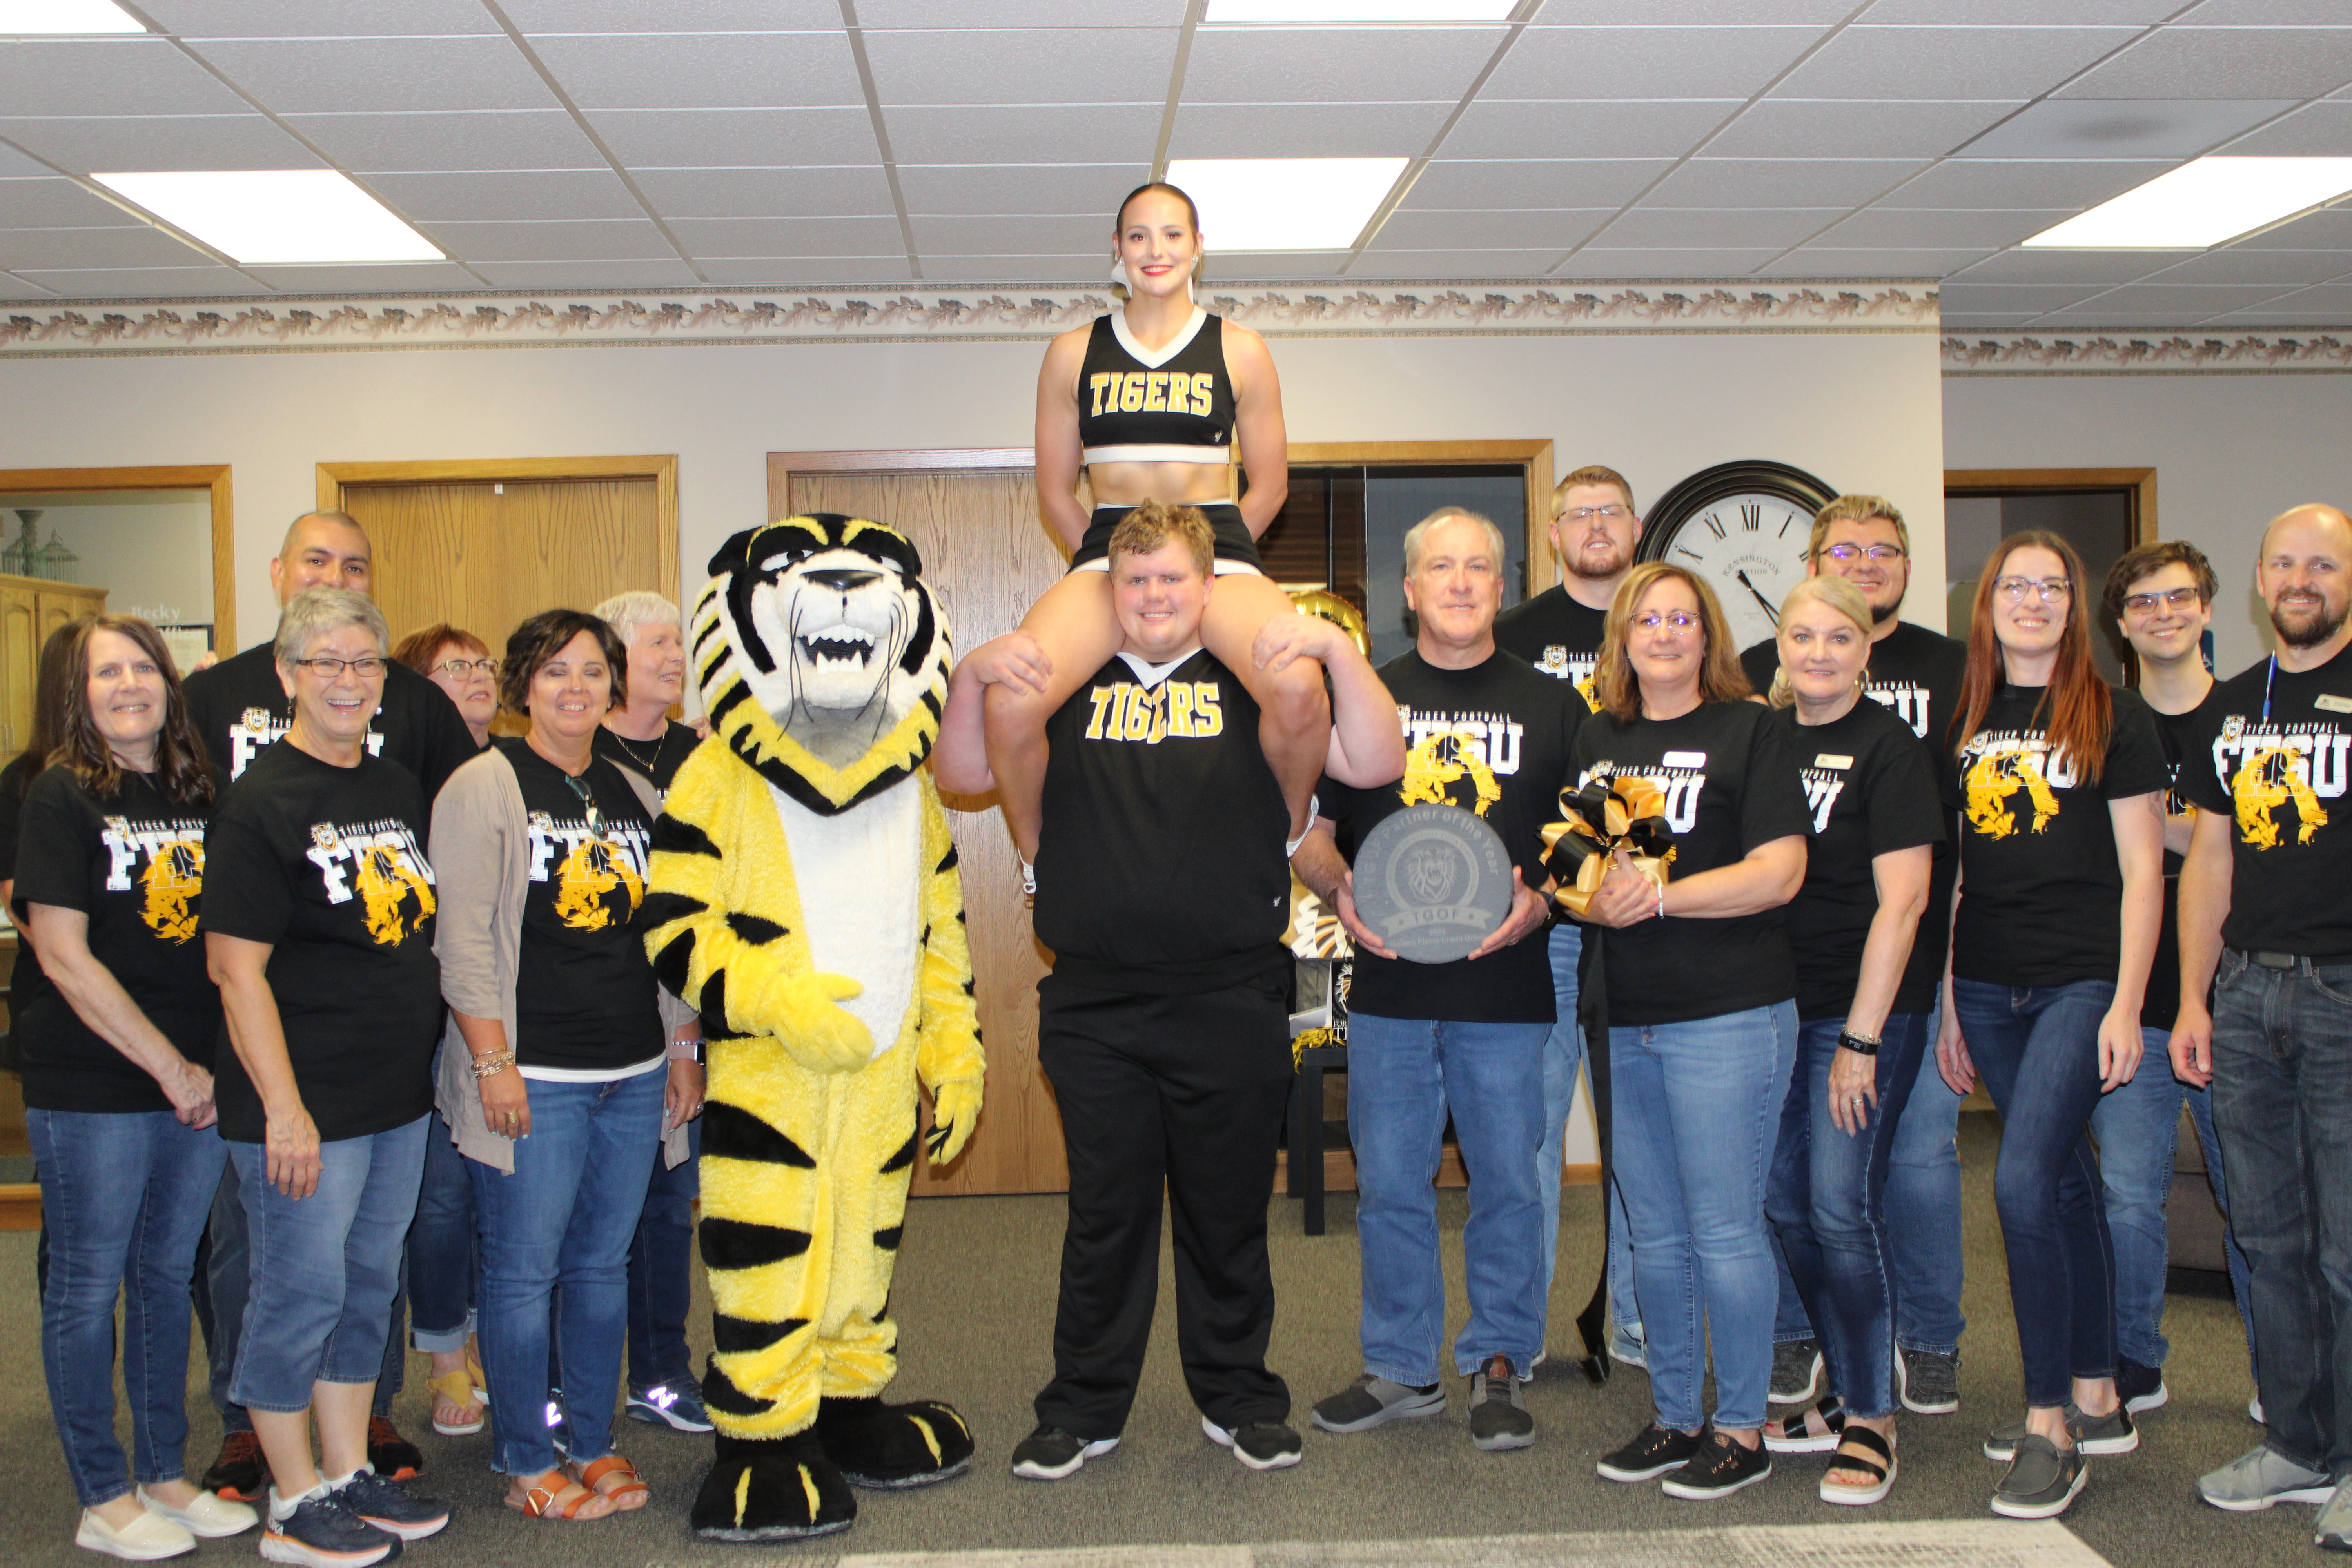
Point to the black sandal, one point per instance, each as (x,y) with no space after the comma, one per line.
(1853,1496)
(1793,1435)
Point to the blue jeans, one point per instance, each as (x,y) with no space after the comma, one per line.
(565,1216)
(1403,1076)
(2138,1128)
(1828,1207)
(1563,1054)
(443,1262)
(2283,1106)
(2038,1050)
(1696,1106)
(661,1270)
(124,1199)
(1923,1211)
(326,1269)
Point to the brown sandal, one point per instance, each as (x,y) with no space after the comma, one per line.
(566,1498)
(627,1492)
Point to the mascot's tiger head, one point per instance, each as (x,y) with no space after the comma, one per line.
(821,657)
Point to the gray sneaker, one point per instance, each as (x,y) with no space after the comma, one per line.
(1371,1401)
(2110,1434)
(2332,1530)
(2043,1479)
(1498,1414)
(1796,1370)
(1628,1348)
(2254,1480)
(1928,1381)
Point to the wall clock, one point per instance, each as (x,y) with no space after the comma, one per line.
(1743,526)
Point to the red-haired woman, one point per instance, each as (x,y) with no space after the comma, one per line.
(2061,782)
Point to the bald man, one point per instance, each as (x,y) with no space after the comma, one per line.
(2266,920)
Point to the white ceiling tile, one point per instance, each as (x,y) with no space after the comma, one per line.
(1726,229)
(2159,302)
(825,270)
(53,202)
(142,244)
(1337,65)
(1666,265)
(2135,320)
(1981,228)
(1437,231)
(1046,134)
(2267,13)
(1074,65)
(1092,190)
(609,241)
(15,164)
(2225,62)
(508,139)
(1304,129)
(421,277)
(348,74)
(1825,261)
(1983,321)
(147,282)
(2329,230)
(1695,13)
(792,236)
(672,15)
(1780,182)
(108,76)
(1236,272)
(1903,63)
(2024,13)
(15,288)
(1420,265)
(1547,183)
(2316,130)
(766,193)
(2335,299)
(628,275)
(717,138)
(308,19)
(879,14)
(1645,62)
(2242,266)
(947,271)
(1841,128)
(2010,299)
(2122,127)
(1582,129)
(2107,267)
(162,142)
(539,195)
(975,236)
(705,70)
(2017,183)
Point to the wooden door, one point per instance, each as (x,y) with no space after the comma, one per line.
(20,659)
(988,558)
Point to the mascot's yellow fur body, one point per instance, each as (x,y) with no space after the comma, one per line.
(804,898)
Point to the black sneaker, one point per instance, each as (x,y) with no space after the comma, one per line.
(1498,1414)
(1048,1454)
(1653,1451)
(393,1455)
(1260,1444)
(2043,1479)
(2141,1388)
(1795,1372)
(240,1472)
(1720,1467)
(2110,1434)
(323,1534)
(390,1507)
(1929,1381)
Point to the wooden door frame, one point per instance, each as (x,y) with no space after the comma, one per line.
(661,470)
(212,477)
(2140,482)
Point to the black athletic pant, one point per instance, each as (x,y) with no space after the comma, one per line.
(1188,1092)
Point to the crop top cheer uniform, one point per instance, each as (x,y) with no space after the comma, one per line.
(1174,405)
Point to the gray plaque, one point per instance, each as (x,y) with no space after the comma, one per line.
(1433,882)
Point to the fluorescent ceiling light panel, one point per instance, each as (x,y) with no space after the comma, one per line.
(27,18)
(277,217)
(1250,205)
(2201,204)
(1343,11)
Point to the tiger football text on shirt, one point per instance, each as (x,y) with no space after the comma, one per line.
(1555,635)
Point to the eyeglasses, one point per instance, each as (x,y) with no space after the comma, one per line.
(2048,590)
(459,668)
(1587,513)
(1849,552)
(326,667)
(1673,623)
(2172,599)
(587,804)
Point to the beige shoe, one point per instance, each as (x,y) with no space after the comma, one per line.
(208,1514)
(147,1539)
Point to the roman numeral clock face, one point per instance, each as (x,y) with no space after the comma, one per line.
(1750,548)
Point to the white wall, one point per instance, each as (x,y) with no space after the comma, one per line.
(2230,451)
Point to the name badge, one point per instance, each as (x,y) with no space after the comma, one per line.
(1683,760)
(2333,704)
(1831,760)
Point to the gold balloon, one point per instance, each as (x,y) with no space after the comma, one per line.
(1318,600)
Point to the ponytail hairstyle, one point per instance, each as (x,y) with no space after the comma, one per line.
(1119,288)
(182,767)
(2076,710)
(1840,595)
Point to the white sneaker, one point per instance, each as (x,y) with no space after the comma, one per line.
(209,1515)
(150,1538)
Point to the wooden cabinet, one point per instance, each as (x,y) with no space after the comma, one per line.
(30,609)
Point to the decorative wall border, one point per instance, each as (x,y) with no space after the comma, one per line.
(2122,352)
(995,313)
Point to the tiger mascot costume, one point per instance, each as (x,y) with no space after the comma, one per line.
(803,897)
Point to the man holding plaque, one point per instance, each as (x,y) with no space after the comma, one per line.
(1443,1018)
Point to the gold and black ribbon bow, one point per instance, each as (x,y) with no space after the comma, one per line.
(1628,813)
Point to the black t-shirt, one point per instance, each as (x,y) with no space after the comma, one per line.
(1159,865)
(1493,739)
(135,866)
(238,706)
(2040,887)
(1556,634)
(2179,734)
(1873,791)
(657,761)
(1731,783)
(327,865)
(584,986)
(2276,753)
(15,780)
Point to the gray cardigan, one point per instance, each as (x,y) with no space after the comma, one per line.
(480,854)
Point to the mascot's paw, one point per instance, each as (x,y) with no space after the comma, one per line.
(955,1108)
(801,1014)
(780,1490)
(893,1446)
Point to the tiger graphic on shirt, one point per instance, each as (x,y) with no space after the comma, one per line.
(167,860)
(381,864)
(599,874)
(1457,759)
(1997,765)
(2270,768)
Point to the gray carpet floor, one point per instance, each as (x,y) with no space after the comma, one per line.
(975,1296)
